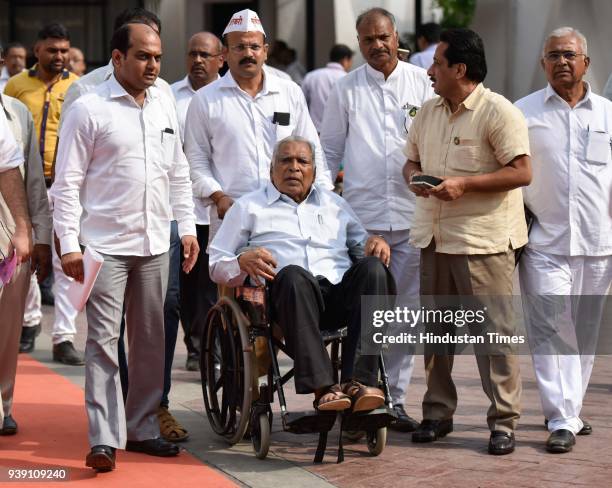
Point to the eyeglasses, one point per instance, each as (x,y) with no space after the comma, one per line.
(240,48)
(554,56)
(202,54)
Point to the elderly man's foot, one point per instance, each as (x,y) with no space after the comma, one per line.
(587,429)
(560,441)
(65,353)
(153,447)
(193,362)
(364,398)
(331,399)
(169,428)
(432,430)
(101,458)
(501,443)
(404,422)
(28,338)
(9,426)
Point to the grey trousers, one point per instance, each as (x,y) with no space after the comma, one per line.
(12,305)
(141,281)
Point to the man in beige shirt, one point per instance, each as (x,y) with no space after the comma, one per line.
(468,225)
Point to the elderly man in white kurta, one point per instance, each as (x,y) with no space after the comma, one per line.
(365,124)
(570,245)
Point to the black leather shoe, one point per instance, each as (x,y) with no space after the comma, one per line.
(101,458)
(28,338)
(560,441)
(587,429)
(153,447)
(404,422)
(501,442)
(65,353)
(193,362)
(432,430)
(9,426)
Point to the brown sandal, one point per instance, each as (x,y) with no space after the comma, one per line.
(169,428)
(332,399)
(364,397)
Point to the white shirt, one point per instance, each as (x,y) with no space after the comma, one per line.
(365,125)
(276,72)
(571,190)
(319,234)
(316,87)
(229,135)
(424,59)
(4,77)
(183,93)
(89,82)
(119,170)
(11,155)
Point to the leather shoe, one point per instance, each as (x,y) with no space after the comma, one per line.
(65,353)
(587,429)
(28,338)
(560,441)
(153,447)
(193,362)
(501,442)
(432,430)
(404,422)
(101,458)
(364,398)
(9,426)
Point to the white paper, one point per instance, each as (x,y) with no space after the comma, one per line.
(78,293)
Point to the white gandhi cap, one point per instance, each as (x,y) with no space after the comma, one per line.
(244,21)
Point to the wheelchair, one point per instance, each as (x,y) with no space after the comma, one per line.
(240,376)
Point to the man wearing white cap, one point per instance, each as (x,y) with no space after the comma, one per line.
(233,124)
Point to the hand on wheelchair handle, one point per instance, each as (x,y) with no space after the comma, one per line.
(258,263)
(378,247)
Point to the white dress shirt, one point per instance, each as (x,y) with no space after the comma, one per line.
(230,136)
(424,59)
(276,72)
(365,126)
(10,153)
(571,190)
(320,234)
(4,77)
(89,82)
(316,87)
(120,169)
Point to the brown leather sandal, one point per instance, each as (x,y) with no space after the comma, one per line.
(364,397)
(169,428)
(332,399)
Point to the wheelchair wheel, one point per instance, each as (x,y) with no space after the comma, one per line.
(225,369)
(260,436)
(377,441)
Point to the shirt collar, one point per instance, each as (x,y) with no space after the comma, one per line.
(270,83)
(6,112)
(115,90)
(550,93)
(110,69)
(378,76)
(333,65)
(431,47)
(33,71)
(470,103)
(185,84)
(273,194)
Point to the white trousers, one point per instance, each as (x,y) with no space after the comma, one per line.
(405,259)
(64,326)
(563,378)
(33,307)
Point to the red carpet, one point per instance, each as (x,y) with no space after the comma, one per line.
(52,434)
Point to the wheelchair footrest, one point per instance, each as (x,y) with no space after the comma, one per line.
(308,422)
(368,421)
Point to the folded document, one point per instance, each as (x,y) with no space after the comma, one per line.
(78,293)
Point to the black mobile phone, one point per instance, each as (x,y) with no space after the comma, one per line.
(425,180)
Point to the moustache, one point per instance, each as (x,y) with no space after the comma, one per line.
(248,61)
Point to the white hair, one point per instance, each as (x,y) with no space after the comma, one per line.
(566,31)
(294,138)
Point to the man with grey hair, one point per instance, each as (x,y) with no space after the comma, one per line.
(367,116)
(569,253)
(318,260)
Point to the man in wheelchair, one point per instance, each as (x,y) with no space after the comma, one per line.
(318,260)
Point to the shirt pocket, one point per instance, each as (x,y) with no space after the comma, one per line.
(464,155)
(598,149)
(167,154)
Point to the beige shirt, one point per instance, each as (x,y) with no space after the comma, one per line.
(485,133)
